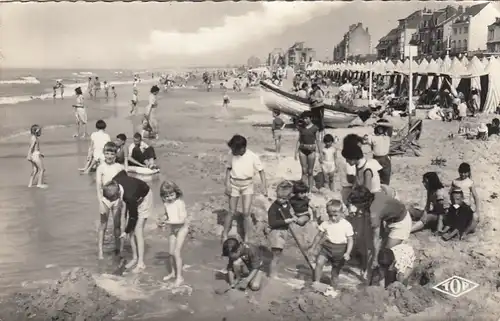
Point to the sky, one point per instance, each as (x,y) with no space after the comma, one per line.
(156,35)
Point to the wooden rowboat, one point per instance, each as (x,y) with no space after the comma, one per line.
(274,98)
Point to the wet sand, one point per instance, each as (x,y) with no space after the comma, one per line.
(60,222)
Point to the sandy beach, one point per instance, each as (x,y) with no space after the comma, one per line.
(48,232)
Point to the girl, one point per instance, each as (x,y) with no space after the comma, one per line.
(177,217)
(466,184)
(36,158)
(277,127)
(80,113)
(436,205)
(367,171)
(135,100)
(225,101)
(380,144)
(329,164)
(306,148)
(151,109)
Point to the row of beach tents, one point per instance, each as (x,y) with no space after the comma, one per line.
(453,73)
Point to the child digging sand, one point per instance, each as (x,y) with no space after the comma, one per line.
(242,166)
(280,216)
(335,238)
(244,269)
(35,157)
(177,218)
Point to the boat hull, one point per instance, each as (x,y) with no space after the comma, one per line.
(276,99)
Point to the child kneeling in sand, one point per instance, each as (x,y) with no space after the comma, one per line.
(138,198)
(178,219)
(245,264)
(459,218)
(396,264)
(335,237)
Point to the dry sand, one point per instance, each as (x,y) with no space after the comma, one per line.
(195,156)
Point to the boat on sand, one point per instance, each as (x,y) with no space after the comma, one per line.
(275,98)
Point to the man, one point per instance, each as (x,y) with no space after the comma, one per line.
(316,98)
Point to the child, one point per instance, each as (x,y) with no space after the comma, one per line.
(61,87)
(141,154)
(54,93)
(329,161)
(225,101)
(300,203)
(35,157)
(135,100)
(98,139)
(97,86)
(245,264)
(90,86)
(138,198)
(177,218)
(121,152)
(459,219)
(396,264)
(242,166)
(80,113)
(306,148)
(335,237)
(380,144)
(113,91)
(147,130)
(105,172)
(106,89)
(466,184)
(280,215)
(277,127)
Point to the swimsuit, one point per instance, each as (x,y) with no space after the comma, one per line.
(307,140)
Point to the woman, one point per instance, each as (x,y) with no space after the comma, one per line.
(307,144)
(151,109)
(436,205)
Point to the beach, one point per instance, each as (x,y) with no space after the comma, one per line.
(48,232)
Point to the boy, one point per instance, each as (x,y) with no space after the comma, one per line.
(458,220)
(135,99)
(97,86)
(242,166)
(280,215)
(277,127)
(244,269)
(98,139)
(138,198)
(335,237)
(329,161)
(105,172)
(141,154)
(113,91)
(380,144)
(300,203)
(122,152)
(106,89)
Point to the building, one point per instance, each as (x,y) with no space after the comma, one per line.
(386,47)
(355,43)
(422,37)
(470,29)
(493,42)
(299,55)
(276,57)
(441,33)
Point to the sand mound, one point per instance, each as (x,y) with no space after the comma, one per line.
(75,296)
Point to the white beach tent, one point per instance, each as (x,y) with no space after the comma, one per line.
(445,65)
(493,96)
(476,70)
(439,61)
(431,71)
(389,67)
(421,71)
(456,72)
(399,66)
(464,61)
(485,62)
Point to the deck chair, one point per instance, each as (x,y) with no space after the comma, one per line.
(407,139)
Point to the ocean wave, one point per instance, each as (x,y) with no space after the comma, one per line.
(20,81)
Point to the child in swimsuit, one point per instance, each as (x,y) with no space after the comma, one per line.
(106,89)
(104,174)
(306,148)
(35,157)
(98,140)
(225,101)
(277,127)
(113,91)
(178,220)
(135,99)
(329,161)
(466,184)
(80,113)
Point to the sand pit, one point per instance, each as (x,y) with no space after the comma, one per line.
(76,296)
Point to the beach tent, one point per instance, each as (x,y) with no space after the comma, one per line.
(456,72)
(423,66)
(439,61)
(445,65)
(464,61)
(389,66)
(485,62)
(493,96)
(419,80)
(475,69)
(432,72)
(399,66)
